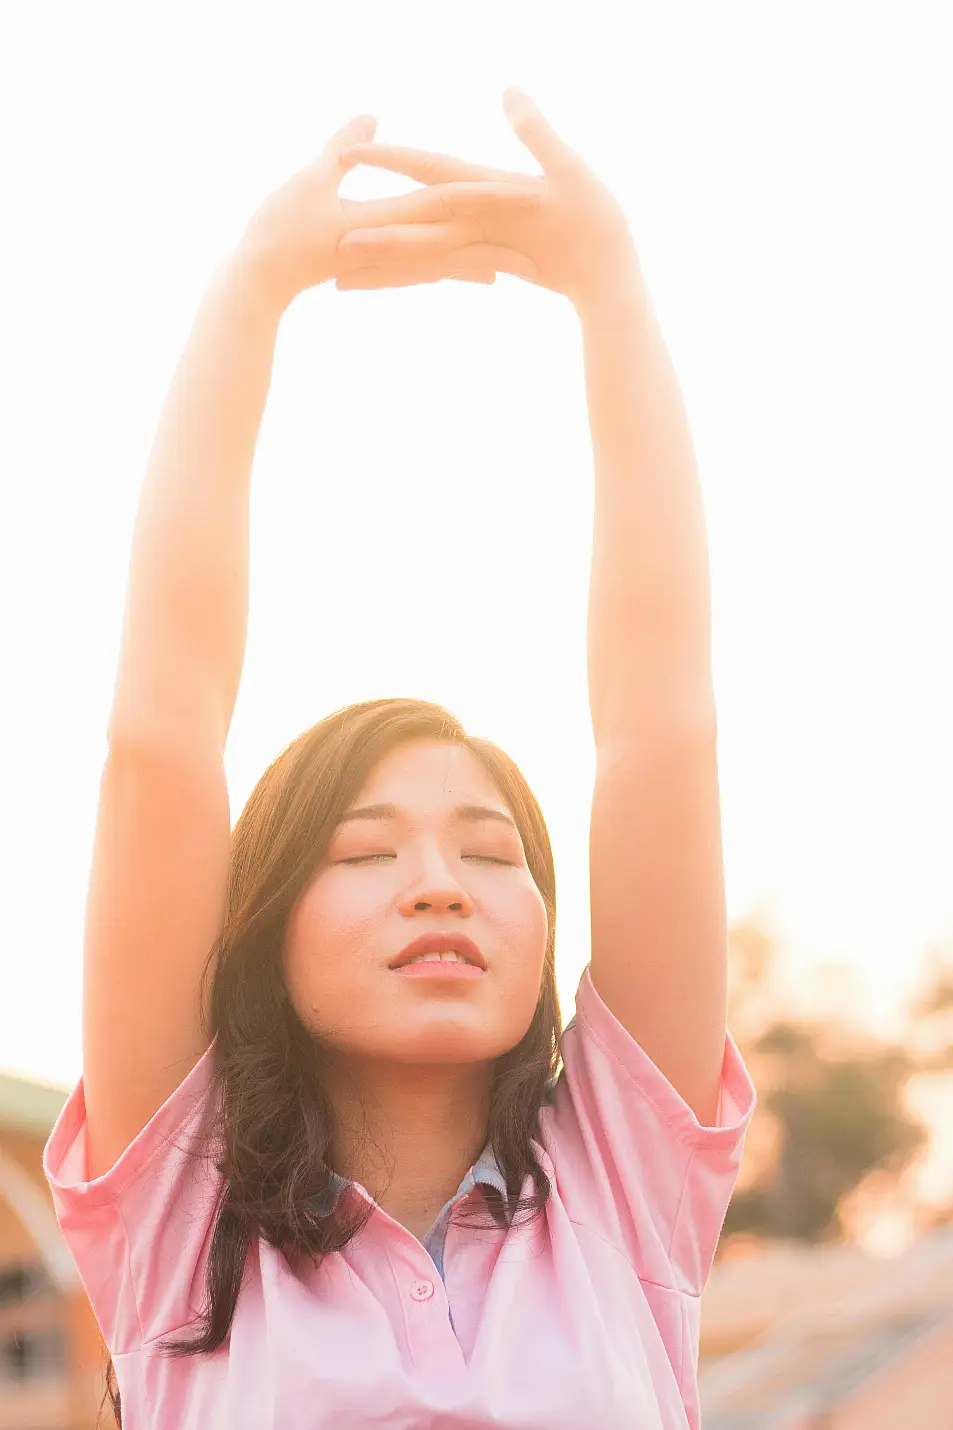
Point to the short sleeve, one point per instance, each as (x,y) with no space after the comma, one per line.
(633,1161)
(139,1232)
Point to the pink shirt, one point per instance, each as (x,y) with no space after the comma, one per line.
(590,1317)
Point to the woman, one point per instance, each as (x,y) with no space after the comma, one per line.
(311,1183)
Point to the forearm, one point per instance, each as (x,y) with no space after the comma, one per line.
(186,614)
(649,616)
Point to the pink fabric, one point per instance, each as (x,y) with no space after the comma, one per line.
(590,1318)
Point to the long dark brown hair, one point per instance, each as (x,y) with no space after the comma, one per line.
(268,1124)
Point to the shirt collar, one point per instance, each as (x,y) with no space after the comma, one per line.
(485,1169)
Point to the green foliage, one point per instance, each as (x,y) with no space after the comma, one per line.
(834,1093)
(840,1120)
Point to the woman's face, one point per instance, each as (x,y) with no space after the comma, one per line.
(421,870)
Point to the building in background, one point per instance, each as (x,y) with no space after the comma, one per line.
(52,1359)
(793,1337)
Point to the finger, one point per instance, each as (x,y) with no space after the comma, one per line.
(469,261)
(426,167)
(456,200)
(361,127)
(535,131)
(376,277)
(432,244)
(396,241)
(404,278)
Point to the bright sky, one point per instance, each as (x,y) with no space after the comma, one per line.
(423,485)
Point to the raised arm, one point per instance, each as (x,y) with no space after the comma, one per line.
(187,602)
(160,860)
(656,867)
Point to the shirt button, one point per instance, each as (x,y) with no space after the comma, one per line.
(422,1290)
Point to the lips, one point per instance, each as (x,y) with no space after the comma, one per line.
(441,943)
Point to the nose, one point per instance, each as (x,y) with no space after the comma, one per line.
(436,887)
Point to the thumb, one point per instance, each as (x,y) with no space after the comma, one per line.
(533,130)
(360,130)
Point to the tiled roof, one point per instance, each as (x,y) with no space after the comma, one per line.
(818,1356)
(813,1372)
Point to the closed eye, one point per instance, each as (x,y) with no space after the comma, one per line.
(363,858)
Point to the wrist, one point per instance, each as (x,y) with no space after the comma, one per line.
(255,285)
(616,291)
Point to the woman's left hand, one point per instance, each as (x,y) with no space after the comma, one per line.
(564,230)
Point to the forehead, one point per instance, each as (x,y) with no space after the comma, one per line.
(425,771)
(423,774)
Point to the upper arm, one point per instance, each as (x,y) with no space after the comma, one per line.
(657,893)
(154,910)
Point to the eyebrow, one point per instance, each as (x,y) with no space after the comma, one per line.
(461,814)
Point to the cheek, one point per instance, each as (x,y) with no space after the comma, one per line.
(333,910)
(322,933)
(327,972)
(528,926)
(521,969)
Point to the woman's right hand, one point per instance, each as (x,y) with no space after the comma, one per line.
(291,243)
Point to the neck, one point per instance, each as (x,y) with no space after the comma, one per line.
(408,1133)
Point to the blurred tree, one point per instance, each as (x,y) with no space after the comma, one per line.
(752,977)
(930,1011)
(832,1093)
